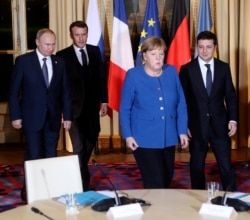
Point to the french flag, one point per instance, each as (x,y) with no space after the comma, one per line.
(93,21)
(121,57)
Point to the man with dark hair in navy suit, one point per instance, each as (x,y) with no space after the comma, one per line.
(212,111)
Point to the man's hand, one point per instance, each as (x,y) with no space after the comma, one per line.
(232,127)
(104,109)
(17,124)
(67,125)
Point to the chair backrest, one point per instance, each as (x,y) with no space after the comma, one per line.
(52,177)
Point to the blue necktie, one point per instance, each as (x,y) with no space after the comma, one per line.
(208,79)
(45,72)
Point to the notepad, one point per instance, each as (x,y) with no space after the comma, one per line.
(84,198)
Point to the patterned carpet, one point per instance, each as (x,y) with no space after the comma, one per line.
(123,176)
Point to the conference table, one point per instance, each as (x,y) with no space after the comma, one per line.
(172,204)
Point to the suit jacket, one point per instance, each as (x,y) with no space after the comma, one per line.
(31,100)
(203,110)
(88,87)
(153,109)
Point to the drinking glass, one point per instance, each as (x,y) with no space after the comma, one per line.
(212,190)
(71,205)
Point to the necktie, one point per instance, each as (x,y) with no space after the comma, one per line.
(45,71)
(84,58)
(208,79)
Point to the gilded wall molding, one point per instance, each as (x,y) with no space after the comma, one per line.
(109,18)
(18,33)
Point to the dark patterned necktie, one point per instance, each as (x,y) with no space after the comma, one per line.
(45,72)
(208,79)
(84,58)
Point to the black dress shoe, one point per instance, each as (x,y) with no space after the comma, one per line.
(23,195)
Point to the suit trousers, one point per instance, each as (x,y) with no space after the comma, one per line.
(41,143)
(156,166)
(222,151)
(83,148)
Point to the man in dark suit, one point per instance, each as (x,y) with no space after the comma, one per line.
(37,102)
(212,112)
(36,107)
(87,79)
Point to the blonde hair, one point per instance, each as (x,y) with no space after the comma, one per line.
(152,43)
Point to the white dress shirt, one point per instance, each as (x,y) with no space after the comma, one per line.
(48,62)
(79,53)
(204,69)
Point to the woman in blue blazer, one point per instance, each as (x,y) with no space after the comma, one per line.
(153,114)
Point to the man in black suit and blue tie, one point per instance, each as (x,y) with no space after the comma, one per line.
(88,84)
(212,112)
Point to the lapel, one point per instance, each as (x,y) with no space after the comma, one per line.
(91,56)
(198,80)
(55,65)
(216,79)
(73,56)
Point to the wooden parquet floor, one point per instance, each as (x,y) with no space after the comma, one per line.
(13,154)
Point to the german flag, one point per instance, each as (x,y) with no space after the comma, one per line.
(179,49)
